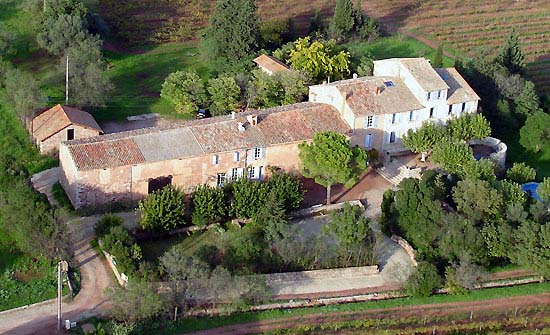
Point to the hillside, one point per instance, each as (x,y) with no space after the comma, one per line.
(464,26)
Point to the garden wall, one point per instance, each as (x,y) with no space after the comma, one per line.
(359,271)
(500,148)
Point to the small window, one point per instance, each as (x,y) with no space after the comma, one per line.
(236,156)
(428,96)
(394,118)
(258,153)
(439,94)
(234,174)
(450,109)
(411,116)
(221,179)
(432,112)
(70,134)
(369,122)
(392,137)
(215,159)
(252,173)
(368,141)
(463,107)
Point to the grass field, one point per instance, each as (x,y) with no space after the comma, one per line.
(195,324)
(153,249)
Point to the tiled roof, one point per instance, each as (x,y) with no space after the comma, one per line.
(270,63)
(459,90)
(285,124)
(363,100)
(55,119)
(424,74)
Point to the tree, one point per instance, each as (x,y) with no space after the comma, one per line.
(543,190)
(23,91)
(463,276)
(477,199)
(528,101)
(453,156)
(511,55)
(294,86)
(248,197)
(318,60)
(469,127)
(535,134)
(232,35)
(177,264)
(287,190)
(521,173)
(366,66)
(208,205)
(330,160)
(424,280)
(184,90)
(530,247)
(438,57)
(88,84)
(7,40)
(224,95)
(424,138)
(342,21)
(136,302)
(105,223)
(280,89)
(162,209)
(316,22)
(60,32)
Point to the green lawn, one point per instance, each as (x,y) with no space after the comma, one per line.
(540,161)
(395,46)
(195,324)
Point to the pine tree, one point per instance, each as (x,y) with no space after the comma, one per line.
(438,58)
(343,20)
(511,55)
(232,35)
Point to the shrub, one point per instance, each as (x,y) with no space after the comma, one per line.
(184,90)
(424,280)
(208,205)
(287,190)
(248,197)
(107,221)
(163,209)
(463,276)
(123,248)
(521,173)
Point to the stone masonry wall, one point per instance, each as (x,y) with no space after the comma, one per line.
(51,144)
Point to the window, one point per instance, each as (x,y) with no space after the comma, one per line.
(432,112)
(369,122)
(450,109)
(236,156)
(234,174)
(221,179)
(439,94)
(258,153)
(252,173)
(463,107)
(394,118)
(158,183)
(70,134)
(411,116)
(428,96)
(392,137)
(215,159)
(368,140)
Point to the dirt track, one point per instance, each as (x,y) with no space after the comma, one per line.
(430,310)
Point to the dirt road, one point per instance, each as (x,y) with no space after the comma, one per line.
(90,301)
(430,310)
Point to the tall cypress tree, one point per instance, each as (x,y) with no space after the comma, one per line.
(343,20)
(511,55)
(231,37)
(438,58)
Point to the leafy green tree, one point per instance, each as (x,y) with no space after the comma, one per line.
(123,248)
(477,199)
(511,192)
(56,8)
(469,127)
(369,30)
(453,156)
(366,66)
(7,40)
(294,86)
(208,205)
(355,238)
(224,95)
(23,91)
(424,280)
(105,223)
(162,209)
(185,90)
(280,89)
(232,35)
(459,236)
(287,190)
(530,247)
(341,25)
(319,60)
(535,134)
(136,302)
(543,190)
(248,197)
(463,276)
(521,173)
(88,84)
(510,55)
(273,219)
(424,138)
(60,32)
(274,33)
(483,169)
(330,160)
(438,58)
(527,101)
(177,264)
(316,24)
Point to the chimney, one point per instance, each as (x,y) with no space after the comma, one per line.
(252,119)
(232,115)
(240,126)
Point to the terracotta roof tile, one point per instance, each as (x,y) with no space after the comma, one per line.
(100,155)
(57,118)
(270,63)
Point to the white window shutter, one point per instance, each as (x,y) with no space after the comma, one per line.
(262,152)
(215,159)
(236,156)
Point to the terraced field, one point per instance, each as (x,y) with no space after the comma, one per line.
(464,26)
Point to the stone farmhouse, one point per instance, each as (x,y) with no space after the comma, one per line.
(61,123)
(374,112)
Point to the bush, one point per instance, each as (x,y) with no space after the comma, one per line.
(208,205)
(184,90)
(287,190)
(248,197)
(463,276)
(424,280)
(163,209)
(104,225)
(521,173)
(123,248)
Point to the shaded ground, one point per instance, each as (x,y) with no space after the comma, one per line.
(428,310)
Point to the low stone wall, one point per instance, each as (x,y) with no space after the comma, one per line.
(316,209)
(120,277)
(500,148)
(359,271)
(406,246)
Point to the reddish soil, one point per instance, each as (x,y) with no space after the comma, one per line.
(430,310)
